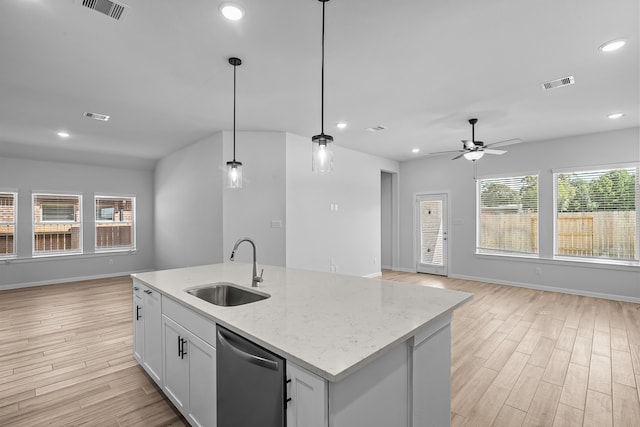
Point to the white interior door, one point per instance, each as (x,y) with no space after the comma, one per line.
(431,233)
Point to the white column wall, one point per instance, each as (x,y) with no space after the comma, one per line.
(348,238)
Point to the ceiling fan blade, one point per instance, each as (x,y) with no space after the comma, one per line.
(447,152)
(492,151)
(505,142)
(459,155)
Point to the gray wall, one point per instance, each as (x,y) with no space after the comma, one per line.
(248,212)
(438,174)
(27,176)
(278,185)
(198,219)
(188,205)
(317,236)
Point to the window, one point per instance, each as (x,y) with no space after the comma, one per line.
(115,223)
(596,213)
(57,224)
(508,215)
(8,215)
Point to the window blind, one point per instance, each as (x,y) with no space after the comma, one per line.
(508,215)
(57,224)
(596,213)
(8,210)
(115,223)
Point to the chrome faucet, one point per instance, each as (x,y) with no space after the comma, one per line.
(256,279)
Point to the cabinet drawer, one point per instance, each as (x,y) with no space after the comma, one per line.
(198,325)
(137,288)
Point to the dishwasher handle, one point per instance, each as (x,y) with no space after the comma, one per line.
(251,358)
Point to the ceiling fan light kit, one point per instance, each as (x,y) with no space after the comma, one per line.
(474,150)
(321,153)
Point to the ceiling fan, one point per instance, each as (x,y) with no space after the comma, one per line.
(474,150)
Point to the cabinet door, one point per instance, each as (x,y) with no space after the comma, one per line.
(138,328)
(308,405)
(153,334)
(202,383)
(176,364)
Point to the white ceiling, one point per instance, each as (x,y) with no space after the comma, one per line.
(420,68)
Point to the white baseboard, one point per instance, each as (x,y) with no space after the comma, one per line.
(405,270)
(65,280)
(548,288)
(373,275)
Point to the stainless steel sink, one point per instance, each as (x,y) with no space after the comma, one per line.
(226,294)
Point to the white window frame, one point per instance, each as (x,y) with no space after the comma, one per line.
(505,253)
(13,254)
(98,222)
(34,223)
(595,260)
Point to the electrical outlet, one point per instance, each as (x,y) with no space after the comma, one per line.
(110,261)
(538,271)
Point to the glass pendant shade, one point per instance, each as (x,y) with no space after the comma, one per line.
(473,155)
(322,154)
(234,174)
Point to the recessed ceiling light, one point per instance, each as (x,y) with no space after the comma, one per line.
(615,115)
(231,11)
(612,45)
(341,125)
(63,134)
(415,150)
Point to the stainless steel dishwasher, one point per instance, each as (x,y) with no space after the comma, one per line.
(250,383)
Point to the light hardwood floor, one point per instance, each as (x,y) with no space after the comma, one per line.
(520,357)
(523,357)
(66,359)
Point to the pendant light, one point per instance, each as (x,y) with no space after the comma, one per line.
(322,154)
(234,168)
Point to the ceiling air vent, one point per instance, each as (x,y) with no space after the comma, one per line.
(565,81)
(106,7)
(376,128)
(96,116)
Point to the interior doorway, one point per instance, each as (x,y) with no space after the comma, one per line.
(387,217)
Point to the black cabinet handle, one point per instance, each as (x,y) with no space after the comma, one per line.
(135,288)
(286,402)
(181,343)
(138,317)
(183,352)
(147,291)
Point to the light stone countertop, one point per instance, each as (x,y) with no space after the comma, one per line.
(330,324)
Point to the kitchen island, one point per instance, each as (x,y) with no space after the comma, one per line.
(358,351)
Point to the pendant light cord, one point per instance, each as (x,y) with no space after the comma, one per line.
(234,112)
(322,77)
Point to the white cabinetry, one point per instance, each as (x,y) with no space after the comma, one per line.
(147,332)
(308,393)
(189,364)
